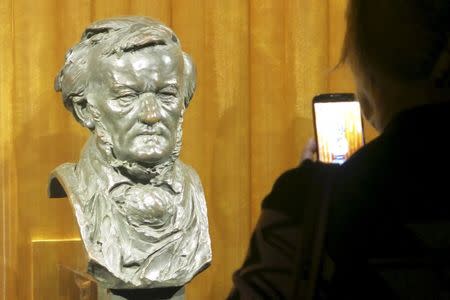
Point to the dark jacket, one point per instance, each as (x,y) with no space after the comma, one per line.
(388,225)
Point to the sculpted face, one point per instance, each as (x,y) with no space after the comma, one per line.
(138,96)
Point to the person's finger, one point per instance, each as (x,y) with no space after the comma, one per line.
(310,150)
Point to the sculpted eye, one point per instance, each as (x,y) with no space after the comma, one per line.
(167,96)
(126,99)
(169,93)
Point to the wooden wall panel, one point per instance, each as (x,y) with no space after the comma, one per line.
(47,260)
(101,9)
(157,9)
(288,67)
(216,132)
(8,178)
(43,124)
(271,111)
(45,134)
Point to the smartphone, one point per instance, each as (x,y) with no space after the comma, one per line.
(338,126)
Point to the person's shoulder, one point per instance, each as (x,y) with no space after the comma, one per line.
(371,175)
(297,185)
(306,173)
(376,154)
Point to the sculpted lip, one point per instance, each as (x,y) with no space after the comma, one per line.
(153,131)
(149,133)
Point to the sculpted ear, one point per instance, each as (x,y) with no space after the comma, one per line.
(82,112)
(190,77)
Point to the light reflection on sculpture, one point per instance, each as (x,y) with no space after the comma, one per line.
(141,211)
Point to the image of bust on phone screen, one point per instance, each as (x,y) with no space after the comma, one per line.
(338,127)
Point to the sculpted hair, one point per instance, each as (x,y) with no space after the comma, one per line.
(406,40)
(116,37)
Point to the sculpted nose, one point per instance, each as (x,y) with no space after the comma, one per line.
(151,111)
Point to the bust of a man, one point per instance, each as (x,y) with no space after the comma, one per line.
(141,211)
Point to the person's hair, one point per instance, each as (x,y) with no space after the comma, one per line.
(405,40)
(115,37)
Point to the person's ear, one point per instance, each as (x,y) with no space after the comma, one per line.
(190,78)
(82,112)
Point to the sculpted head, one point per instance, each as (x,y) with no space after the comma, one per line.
(129,82)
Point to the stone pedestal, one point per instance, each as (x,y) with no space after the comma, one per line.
(81,286)
(156,294)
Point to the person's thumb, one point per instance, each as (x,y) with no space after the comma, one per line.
(309,150)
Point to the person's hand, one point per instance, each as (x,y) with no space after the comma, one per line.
(309,151)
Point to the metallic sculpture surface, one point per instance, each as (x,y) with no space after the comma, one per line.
(141,211)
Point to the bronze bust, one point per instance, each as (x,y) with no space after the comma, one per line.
(141,211)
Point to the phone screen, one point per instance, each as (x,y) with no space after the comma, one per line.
(339,130)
